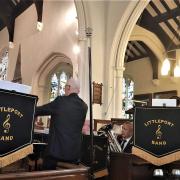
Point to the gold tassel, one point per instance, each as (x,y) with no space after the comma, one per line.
(15,156)
(158,161)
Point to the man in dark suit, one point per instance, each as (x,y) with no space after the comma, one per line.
(68,114)
(125,139)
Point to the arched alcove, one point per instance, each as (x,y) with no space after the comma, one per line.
(42,75)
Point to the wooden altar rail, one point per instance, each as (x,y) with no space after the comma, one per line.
(64,174)
(125,166)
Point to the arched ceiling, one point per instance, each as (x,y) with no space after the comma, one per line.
(161,17)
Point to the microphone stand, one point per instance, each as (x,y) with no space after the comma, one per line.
(88,34)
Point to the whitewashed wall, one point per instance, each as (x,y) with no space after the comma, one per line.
(141,72)
(57,36)
(103,17)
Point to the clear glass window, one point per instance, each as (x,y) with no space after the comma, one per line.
(3,65)
(127,96)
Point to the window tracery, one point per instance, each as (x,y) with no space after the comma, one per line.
(58,81)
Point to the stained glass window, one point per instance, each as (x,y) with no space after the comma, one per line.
(127,96)
(3,65)
(58,81)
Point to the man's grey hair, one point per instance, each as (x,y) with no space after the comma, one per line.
(75,85)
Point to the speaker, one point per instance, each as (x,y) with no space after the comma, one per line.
(100,151)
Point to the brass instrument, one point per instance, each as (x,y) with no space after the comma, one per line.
(114,145)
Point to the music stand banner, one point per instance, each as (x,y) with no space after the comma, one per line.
(157,134)
(16,127)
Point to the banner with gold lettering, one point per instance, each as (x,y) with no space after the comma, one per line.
(16,127)
(157,134)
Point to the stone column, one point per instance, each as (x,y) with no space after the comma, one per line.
(118,91)
(83,70)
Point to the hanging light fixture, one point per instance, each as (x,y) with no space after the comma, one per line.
(11,45)
(166,65)
(39,26)
(177,71)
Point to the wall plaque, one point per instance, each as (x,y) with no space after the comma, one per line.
(97,93)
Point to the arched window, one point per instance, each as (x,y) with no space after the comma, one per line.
(58,80)
(128,93)
(3,64)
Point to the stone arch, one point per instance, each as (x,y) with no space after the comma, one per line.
(40,85)
(81,19)
(150,39)
(120,41)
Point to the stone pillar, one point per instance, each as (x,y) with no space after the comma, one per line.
(83,71)
(118,91)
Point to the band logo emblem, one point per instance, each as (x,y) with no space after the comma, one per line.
(160,128)
(6,124)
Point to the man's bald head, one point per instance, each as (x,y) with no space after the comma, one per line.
(72,86)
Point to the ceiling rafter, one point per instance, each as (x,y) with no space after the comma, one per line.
(168,15)
(175,32)
(155,8)
(14,2)
(177,3)
(165,6)
(162,17)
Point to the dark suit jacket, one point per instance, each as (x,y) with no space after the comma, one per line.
(128,148)
(68,114)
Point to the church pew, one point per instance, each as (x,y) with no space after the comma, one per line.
(61,174)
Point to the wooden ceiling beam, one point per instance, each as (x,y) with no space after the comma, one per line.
(39,9)
(177,3)
(136,58)
(130,51)
(153,60)
(147,21)
(22,6)
(175,32)
(155,8)
(168,15)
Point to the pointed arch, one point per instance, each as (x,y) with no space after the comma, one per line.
(81,19)
(150,39)
(41,77)
(120,41)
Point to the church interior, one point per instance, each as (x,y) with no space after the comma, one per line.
(126,52)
